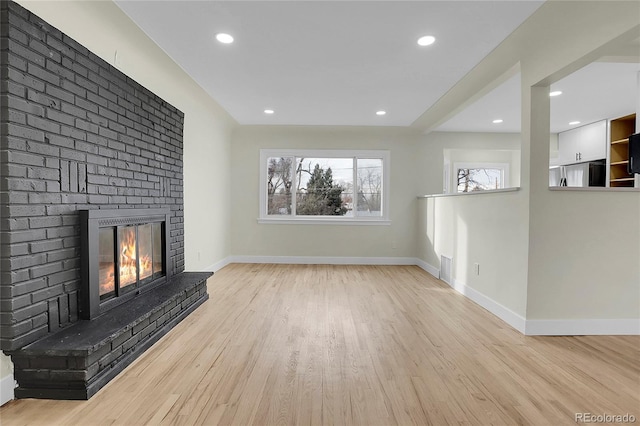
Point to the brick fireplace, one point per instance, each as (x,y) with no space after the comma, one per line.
(79,135)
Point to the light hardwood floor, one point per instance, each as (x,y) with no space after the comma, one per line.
(367,345)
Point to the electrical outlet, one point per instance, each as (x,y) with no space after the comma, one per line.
(476,268)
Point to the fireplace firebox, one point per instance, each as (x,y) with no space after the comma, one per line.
(124,253)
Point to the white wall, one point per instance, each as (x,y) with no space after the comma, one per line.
(253,239)
(487,229)
(7,382)
(104,29)
(583,247)
(584,256)
(553,150)
(207,188)
(490,147)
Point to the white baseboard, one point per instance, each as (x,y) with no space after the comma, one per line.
(218,265)
(581,327)
(325,260)
(7,385)
(502,312)
(528,327)
(505,314)
(429,268)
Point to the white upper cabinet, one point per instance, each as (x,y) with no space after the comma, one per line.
(586,143)
(594,141)
(568,146)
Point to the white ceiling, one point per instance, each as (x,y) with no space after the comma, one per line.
(600,90)
(327,62)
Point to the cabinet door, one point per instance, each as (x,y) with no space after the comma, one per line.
(593,141)
(568,146)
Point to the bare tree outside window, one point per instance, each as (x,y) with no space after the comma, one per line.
(369,176)
(279,185)
(480,179)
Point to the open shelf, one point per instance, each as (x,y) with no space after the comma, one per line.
(620,163)
(622,183)
(620,130)
(622,179)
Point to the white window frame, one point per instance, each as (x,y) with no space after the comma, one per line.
(384,219)
(504,167)
(446,177)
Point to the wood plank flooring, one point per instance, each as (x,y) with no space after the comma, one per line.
(363,345)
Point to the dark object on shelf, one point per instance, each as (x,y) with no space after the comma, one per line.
(634,153)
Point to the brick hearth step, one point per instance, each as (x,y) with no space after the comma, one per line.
(77,361)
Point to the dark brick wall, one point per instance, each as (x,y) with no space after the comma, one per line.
(76,134)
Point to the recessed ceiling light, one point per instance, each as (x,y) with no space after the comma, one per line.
(269,111)
(426,40)
(381,112)
(224,38)
(573,123)
(498,121)
(555,93)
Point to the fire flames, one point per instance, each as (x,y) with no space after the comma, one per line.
(129,260)
(136,261)
(107,278)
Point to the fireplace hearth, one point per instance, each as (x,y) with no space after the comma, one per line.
(78,361)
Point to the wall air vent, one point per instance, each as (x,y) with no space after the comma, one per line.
(446,264)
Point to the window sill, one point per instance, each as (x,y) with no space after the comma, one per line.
(322,221)
(465,194)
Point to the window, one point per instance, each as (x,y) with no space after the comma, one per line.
(324,186)
(472,177)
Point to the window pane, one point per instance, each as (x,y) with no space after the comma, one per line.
(157,248)
(481,179)
(324,186)
(107,262)
(369,187)
(128,256)
(279,185)
(145,251)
